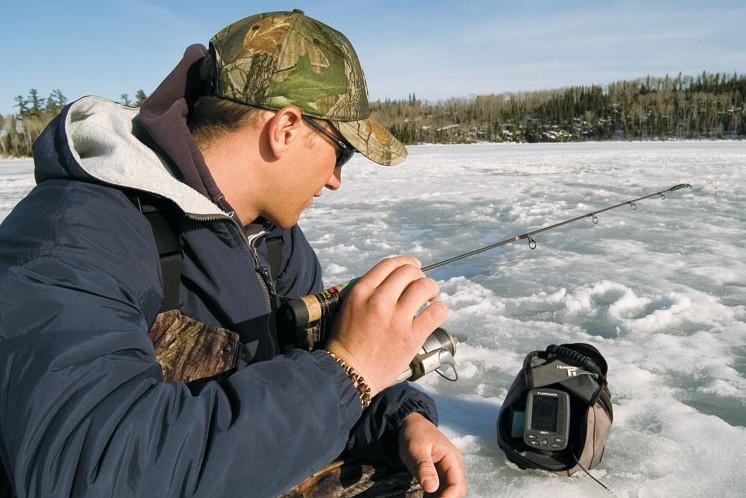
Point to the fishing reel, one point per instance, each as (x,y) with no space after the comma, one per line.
(305,322)
(436,355)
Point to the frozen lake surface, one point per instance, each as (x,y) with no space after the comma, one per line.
(660,291)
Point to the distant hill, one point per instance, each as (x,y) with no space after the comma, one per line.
(682,107)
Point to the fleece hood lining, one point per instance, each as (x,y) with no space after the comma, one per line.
(104,142)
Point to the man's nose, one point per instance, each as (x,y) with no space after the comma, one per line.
(335,181)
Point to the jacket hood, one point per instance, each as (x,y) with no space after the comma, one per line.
(94,139)
(163,119)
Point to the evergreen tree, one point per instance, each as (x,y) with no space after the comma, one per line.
(21,104)
(140,97)
(36,101)
(59,98)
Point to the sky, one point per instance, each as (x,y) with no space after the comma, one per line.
(434,49)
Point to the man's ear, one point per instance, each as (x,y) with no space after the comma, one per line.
(285,127)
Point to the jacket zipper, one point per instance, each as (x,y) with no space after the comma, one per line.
(265,280)
(270,294)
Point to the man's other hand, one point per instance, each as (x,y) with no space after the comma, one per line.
(431,458)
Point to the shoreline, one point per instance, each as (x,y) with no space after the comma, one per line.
(641,141)
(595,142)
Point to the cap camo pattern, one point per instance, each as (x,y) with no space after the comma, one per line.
(278,59)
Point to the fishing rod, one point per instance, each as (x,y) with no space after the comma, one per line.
(304,321)
(529,235)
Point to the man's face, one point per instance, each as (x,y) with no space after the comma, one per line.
(308,168)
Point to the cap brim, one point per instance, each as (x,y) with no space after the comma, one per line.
(373,140)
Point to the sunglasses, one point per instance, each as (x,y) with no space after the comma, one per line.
(344,150)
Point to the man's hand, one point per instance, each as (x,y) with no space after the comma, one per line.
(431,458)
(380,328)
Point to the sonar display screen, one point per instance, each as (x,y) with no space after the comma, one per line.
(544,414)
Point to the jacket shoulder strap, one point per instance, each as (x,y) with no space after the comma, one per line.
(274,255)
(170,252)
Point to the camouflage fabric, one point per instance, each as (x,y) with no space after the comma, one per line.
(277,59)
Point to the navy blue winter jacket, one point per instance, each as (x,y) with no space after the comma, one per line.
(83,408)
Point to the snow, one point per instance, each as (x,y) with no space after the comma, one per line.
(660,291)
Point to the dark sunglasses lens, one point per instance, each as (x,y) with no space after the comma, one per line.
(344,154)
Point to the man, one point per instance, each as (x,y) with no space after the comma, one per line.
(235,143)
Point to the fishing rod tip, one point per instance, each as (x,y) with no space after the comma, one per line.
(680,186)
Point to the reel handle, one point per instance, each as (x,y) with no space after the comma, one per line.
(436,355)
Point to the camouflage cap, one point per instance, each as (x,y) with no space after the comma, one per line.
(278,59)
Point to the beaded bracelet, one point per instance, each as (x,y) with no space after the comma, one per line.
(357,380)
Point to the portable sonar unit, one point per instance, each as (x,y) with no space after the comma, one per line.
(557,413)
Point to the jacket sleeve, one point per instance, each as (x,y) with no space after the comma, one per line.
(83,409)
(375,435)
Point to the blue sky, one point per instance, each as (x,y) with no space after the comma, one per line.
(436,49)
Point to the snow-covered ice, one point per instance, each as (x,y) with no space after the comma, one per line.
(661,291)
